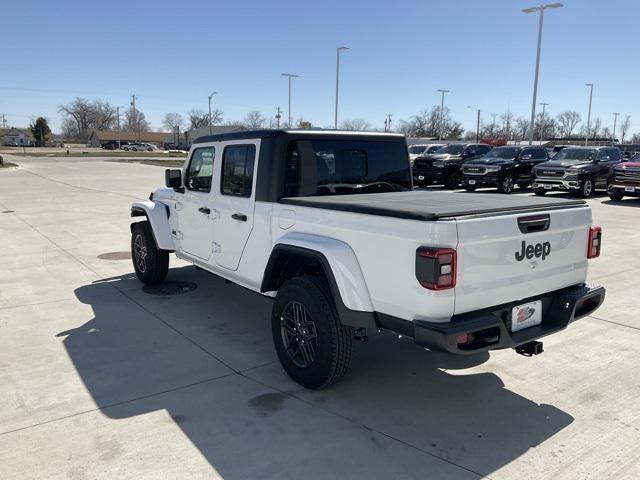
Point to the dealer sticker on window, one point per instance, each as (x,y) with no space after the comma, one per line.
(527,315)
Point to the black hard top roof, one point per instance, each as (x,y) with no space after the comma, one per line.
(306,133)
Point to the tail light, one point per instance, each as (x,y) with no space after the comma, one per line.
(595,242)
(436,268)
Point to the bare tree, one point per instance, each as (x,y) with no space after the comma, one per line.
(137,123)
(172,121)
(254,119)
(200,118)
(490,129)
(635,138)
(507,120)
(355,124)
(544,127)
(522,126)
(567,122)
(606,132)
(625,125)
(81,116)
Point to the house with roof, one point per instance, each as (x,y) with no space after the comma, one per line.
(17,137)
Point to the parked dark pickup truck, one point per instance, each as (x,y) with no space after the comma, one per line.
(624,180)
(576,169)
(443,166)
(503,167)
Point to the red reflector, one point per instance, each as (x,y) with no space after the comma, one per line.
(595,242)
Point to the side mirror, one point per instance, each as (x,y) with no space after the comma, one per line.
(173,178)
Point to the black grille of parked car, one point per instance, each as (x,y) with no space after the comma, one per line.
(474,170)
(627,175)
(547,172)
(422,163)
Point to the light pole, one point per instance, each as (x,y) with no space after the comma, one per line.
(586,140)
(118,124)
(477,122)
(615,120)
(544,105)
(290,76)
(210,119)
(442,91)
(540,9)
(338,50)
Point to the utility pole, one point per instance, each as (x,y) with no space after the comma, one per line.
(134,116)
(4,121)
(615,120)
(477,122)
(542,123)
(388,123)
(278,116)
(442,112)
(118,124)
(211,119)
(586,140)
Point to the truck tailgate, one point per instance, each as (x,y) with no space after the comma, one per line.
(499,261)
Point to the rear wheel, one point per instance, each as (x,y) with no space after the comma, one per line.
(312,344)
(150,263)
(506,184)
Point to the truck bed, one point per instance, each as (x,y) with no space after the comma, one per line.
(427,205)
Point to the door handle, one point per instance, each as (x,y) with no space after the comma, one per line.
(204,210)
(239,216)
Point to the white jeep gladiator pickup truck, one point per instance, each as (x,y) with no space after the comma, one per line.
(328,224)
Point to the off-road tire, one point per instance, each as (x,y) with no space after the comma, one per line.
(153,268)
(334,340)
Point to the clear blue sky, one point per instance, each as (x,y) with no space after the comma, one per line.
(173,54)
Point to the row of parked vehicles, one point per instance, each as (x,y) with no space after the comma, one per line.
(575,169)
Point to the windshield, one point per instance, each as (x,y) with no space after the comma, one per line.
(503,153)
(451,149)
(432,149)
(577,154)
(335,167)
(417,149)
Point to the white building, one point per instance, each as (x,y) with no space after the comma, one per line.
(17,137)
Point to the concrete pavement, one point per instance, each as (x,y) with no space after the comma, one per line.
(101,380)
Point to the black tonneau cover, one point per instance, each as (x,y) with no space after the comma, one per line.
(432,205)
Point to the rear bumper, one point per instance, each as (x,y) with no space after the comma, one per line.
(490,327)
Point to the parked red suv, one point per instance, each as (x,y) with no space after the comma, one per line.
(624,180)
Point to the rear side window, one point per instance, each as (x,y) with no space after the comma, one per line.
(237,170)
(482,149)
(200,170)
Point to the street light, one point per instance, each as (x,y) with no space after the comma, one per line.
(615,120)
(442,91)
(290,76)
(586,140)
(477,123)
(540,9)
(210,119)
(542,124)
(338,50)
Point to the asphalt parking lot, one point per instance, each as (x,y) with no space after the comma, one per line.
(99,379)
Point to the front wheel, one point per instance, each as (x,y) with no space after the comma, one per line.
(150,263)
(470,188)
(586,188)
(453,180)
(312,344)
(615,195)
(506,184)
